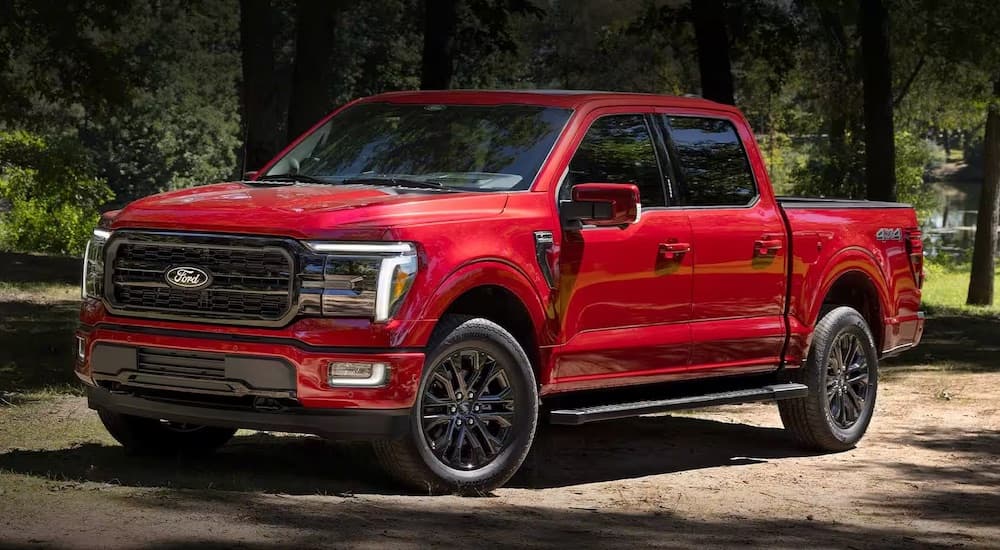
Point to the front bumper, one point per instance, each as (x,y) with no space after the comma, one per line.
(333,424)
(296,366)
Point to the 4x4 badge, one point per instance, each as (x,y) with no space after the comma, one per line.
(187,277)
(889,234)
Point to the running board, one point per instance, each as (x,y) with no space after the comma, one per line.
(574,417)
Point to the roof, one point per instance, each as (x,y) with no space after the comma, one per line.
(550,98)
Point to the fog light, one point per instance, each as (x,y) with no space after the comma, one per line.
(81,348)
(358,374)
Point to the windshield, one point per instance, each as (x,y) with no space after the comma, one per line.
(468,147)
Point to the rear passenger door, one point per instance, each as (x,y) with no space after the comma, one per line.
(738,246)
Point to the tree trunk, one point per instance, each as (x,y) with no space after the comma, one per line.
(880,147)
(438,63)
(260,108)
(983,262)
(843,76)
(713,50)
(312,74)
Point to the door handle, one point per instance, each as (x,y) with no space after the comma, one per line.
(767,246)
(674,251)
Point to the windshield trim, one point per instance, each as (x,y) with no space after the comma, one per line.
(560,134)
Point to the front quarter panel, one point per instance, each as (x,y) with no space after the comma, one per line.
(456,257)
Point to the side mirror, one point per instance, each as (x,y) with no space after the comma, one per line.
(604,204)
(251,175)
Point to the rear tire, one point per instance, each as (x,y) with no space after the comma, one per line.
(462,444)
(842,375)
(148,436)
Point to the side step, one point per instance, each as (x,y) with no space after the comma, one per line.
(584,415)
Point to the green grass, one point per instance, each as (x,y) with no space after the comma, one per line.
(946,288)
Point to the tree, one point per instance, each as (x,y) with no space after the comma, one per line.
(259,90)
(983,261)
(438,62)
(880,149)
(312,73)
(145,87)
(709,21)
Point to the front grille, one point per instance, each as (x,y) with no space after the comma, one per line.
(251,281)
(187,364)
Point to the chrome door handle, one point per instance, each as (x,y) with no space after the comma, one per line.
(674,251)
(767,247)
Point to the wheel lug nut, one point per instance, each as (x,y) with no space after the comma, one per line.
(458,395)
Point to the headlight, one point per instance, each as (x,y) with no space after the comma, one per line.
(360,279)
(93,265)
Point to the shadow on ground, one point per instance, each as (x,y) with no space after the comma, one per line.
(963,492)
(394,524)
(181,519)
(34,269)
(36,344)
(962,342)
(36,335)
(561,456)
(225,490)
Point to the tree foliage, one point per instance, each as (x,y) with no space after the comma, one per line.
(146,86)
(162,94)
(51,194)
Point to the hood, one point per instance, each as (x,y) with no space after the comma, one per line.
(304,210)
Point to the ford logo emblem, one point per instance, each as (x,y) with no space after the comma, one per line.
(188,278)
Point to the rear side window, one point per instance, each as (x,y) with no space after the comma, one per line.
(713,165)
(617,149)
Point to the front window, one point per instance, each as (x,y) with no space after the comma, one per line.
(466,147)
(617,149)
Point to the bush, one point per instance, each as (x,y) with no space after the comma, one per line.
(937,155)
(825,175)
(50,197)
(914,156)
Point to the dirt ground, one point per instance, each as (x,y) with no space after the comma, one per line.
(926,476)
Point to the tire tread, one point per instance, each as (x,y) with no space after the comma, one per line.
(805,418)
(402,460)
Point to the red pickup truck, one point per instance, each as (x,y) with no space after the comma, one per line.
(437,272)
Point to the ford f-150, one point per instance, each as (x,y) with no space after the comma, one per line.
(438,272)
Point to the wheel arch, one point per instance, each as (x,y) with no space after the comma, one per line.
(859,284)
(499,292)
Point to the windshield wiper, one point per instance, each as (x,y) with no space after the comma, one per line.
(395,181)
(295,178)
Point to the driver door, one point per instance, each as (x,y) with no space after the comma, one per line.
(624,292)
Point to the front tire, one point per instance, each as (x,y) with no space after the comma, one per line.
(149,436)
(842,375)
(475,414)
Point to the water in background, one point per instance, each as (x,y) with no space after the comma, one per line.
(951,228)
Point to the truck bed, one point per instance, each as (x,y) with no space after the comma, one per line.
(836,238)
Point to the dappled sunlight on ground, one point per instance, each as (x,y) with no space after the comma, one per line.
(925,476)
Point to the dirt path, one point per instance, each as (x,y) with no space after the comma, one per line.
(926,476)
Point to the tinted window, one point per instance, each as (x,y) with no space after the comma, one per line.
(713,166)
(617,149)
(488,147)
